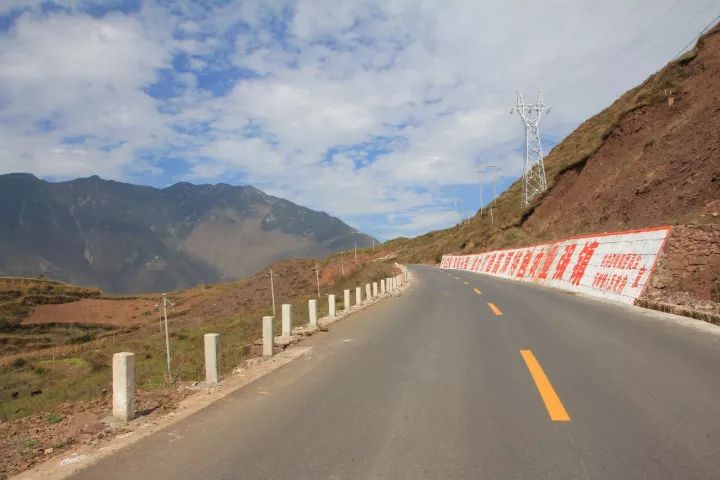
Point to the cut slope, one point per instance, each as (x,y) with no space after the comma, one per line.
(651,158)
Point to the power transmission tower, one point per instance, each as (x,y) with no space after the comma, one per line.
(534,182)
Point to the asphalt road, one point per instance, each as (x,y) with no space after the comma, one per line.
(436,385)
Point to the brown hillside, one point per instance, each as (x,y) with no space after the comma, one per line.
(651,158)
(660,163)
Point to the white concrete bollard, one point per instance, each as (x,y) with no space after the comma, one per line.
(346,300)
(368,292)
(312,312)
(358,296)
(287,320)
(212,357)
(123,372)
(331,305)
(389,284)
(375,290)
(268,336)
(382,287)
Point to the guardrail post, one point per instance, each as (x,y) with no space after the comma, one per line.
(267,336)
(358,296)
(312,312)
(331,305)
(123,372)
(346,300)
(287,320)
(212,357)
(382,286)
(375,289)
(368,292)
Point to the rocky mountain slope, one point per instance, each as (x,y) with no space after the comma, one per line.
(651,158)
(129,238)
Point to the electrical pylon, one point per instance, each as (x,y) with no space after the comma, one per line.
(534,182)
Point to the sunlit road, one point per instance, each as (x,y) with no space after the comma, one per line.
(463,377)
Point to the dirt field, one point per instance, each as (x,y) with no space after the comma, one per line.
(95,311)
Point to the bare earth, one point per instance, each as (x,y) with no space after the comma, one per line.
(96,311)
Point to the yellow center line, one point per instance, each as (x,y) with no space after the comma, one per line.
(466,283)
(495,309)
(554,406)
(477,290)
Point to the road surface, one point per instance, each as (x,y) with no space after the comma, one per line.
(463,377)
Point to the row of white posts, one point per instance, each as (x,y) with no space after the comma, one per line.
(124,362)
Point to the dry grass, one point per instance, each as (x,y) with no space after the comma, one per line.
(82,371)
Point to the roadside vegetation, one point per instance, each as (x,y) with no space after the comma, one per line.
(46,365)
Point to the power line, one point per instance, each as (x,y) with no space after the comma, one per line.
(677,30)
(577,66)
(695,39)
(652,24)
(567,78)
(572,36)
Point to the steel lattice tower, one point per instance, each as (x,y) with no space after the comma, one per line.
(534,182)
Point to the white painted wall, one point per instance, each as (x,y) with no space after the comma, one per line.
(615,266)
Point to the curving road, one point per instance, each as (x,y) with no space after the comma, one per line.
(464,377)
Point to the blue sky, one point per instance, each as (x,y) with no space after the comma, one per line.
(384,113)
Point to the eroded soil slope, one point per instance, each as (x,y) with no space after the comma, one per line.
(659,165)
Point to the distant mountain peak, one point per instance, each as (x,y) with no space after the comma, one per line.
(147,239)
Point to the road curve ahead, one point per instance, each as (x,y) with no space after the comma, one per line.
(463,377)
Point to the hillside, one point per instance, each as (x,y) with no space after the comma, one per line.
(651,158)
(648,159)
(129,238)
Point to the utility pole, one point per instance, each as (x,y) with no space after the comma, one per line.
(355,251)
(342,266)
(373,240)
(480,184)
(165,304)
(534,182)
(481,198)
(272,289)
(492,202)
(317,278)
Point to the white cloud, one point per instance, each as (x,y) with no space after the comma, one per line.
(81,78)
(408,95)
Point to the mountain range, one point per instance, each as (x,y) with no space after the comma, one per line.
(130,238)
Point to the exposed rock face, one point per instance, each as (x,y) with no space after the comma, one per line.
(129,238)
(688,271)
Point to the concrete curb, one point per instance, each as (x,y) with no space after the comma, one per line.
(678,310)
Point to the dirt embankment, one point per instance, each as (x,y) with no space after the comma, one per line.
(95,311)
(659,165)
